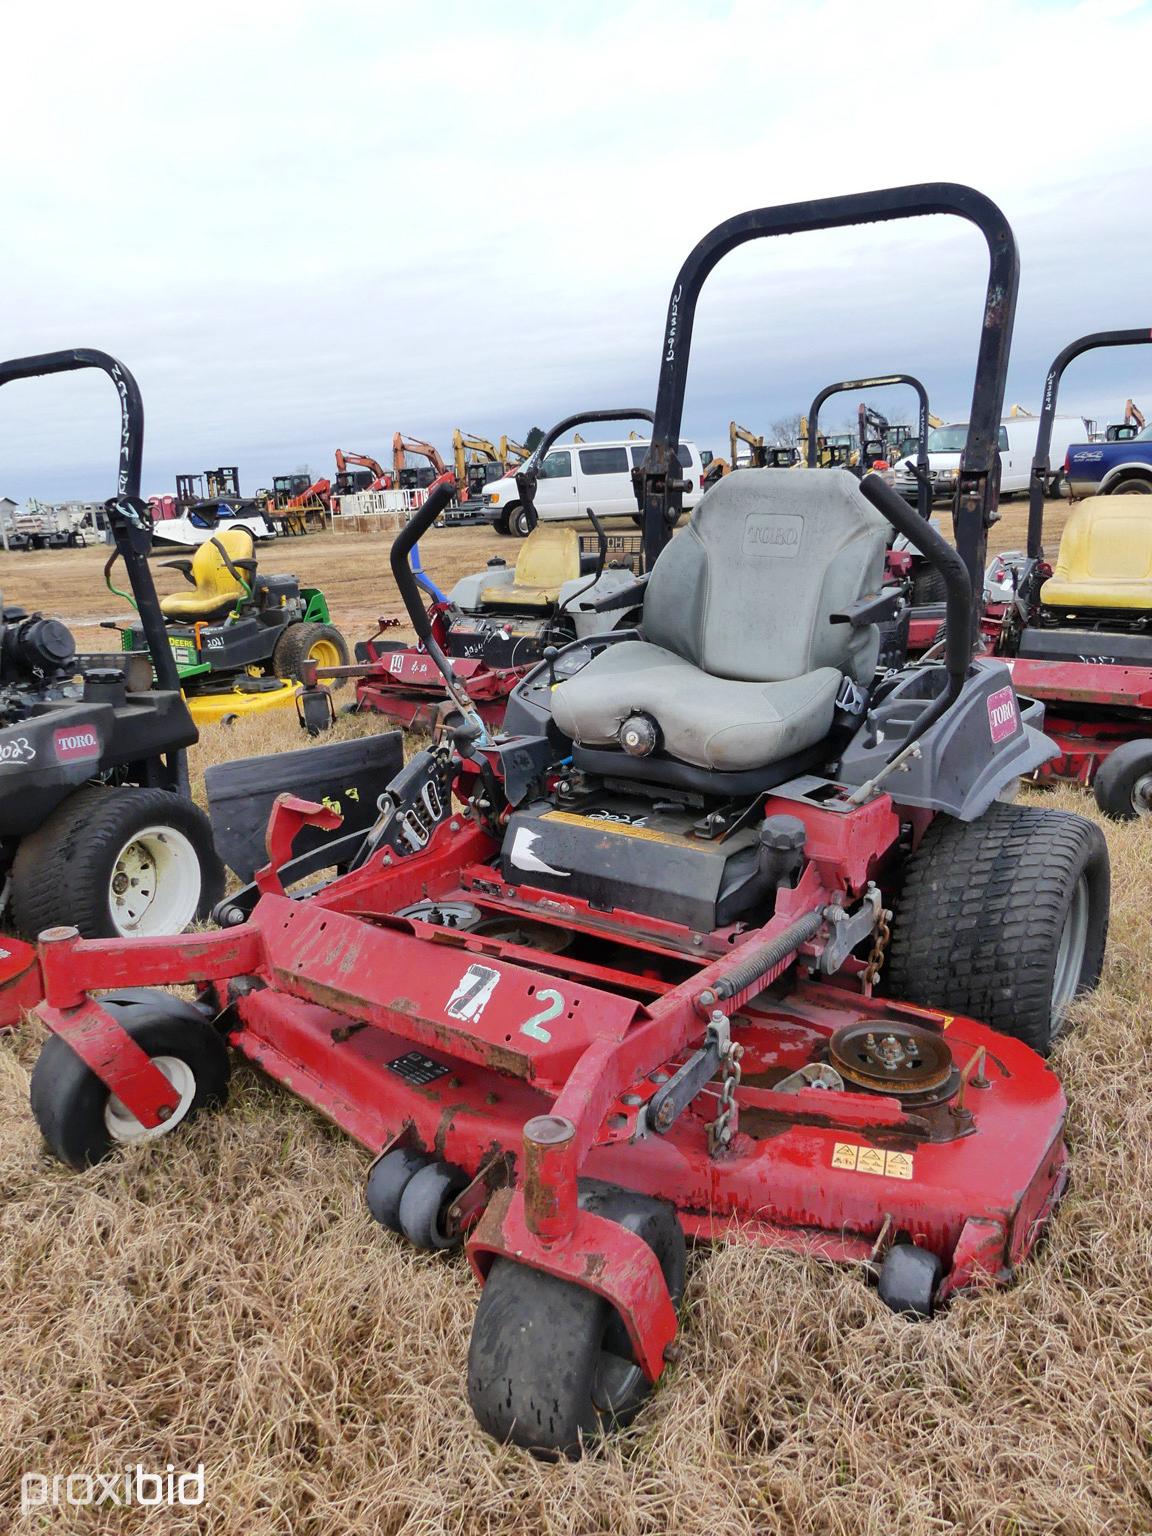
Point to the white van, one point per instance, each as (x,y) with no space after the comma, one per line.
(576,476)
(1017,448)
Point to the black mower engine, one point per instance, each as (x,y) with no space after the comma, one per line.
(35,652)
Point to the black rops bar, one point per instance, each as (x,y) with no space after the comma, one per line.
(883,381)
(127,513)
(1041,463)
(659,488)
(528,475)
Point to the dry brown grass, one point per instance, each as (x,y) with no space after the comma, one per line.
(223,1298)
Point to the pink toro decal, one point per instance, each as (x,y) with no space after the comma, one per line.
(76,744)
(1002,713)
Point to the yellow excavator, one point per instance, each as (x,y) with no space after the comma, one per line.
(476,461)
(513,454)
(757,455)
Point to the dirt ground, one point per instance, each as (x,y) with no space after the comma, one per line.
(222,1298)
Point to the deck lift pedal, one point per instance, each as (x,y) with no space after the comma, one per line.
(586,991)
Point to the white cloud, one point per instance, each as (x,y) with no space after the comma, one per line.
(306,225)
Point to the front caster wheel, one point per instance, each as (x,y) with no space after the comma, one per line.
(387,1181)
(1123,786)
(424,1203)
(550,1365)
(909,1277)
(83,1122)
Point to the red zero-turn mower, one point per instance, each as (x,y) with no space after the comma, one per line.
(608,981)
(1079,636)
(496,624)
(905,562)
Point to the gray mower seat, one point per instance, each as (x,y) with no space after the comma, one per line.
(741,665)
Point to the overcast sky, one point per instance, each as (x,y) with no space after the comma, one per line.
(307,225)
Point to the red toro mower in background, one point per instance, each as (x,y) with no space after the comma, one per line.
(498,623)
(609,980)
(1079,635)
(905,562)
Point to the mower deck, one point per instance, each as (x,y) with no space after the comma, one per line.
(210,707)
(457,1042)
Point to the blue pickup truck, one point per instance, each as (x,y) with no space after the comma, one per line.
(1106,469)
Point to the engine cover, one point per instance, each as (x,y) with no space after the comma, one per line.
(627,857)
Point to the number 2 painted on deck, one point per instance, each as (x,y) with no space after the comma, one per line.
(535,1025)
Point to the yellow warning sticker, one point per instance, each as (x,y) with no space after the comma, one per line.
(854,1158)
(618,828)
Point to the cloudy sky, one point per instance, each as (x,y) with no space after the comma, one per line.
(307,224)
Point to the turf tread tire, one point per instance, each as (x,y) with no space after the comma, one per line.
(291,649)
(61,872)
(977,923)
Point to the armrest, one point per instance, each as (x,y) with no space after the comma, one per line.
(183,566)
(623,597)
(871,610)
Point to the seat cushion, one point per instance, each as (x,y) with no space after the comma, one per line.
(195,607)
(1105,558)
(711,722)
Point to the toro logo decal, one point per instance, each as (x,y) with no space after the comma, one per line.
(772,533)
(1002,716)
(76,745)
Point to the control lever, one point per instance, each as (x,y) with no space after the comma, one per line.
(406,540)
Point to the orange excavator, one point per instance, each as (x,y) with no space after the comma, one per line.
(413,479)
(345,485)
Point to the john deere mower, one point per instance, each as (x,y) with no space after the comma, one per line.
(696,948)
(240,639)
(496,624)
(1078,635)
(96,826)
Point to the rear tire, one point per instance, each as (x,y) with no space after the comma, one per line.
(1004,919)
(79,1118)
(549,1364)
(1123,783)
(927,587)
(299,643)
(1132,485)
(117,862)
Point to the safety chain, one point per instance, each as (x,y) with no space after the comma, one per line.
(879,947)
(720,1130)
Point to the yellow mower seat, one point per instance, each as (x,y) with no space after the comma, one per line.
(215,589)
(1105,558)
(550,556)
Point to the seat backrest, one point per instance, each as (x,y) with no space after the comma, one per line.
(1105,557)
(211,576)
(548,558)
(748,589)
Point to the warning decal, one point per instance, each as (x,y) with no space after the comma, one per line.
(855,1158)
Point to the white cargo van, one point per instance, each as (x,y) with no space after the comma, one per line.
(576,476)
(1017,444)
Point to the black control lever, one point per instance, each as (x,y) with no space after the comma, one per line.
(413,531)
